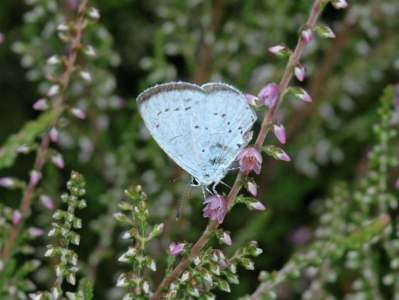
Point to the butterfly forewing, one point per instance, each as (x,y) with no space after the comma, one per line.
(201,128)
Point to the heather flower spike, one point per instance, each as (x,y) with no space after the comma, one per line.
(325,32)
(301,94)
(53,90)
(7,182)
(58,161)
(35,177)
(257,205)
(78,113)
(176,248)
(307,36)
(299,71)
(269,94)
(16,217)
(282,155)
(226,239)
(252,188)
(47,202)
(250,160)
(280,50)
(54,135)
(215,208)
(40,105)
(340,4)
(2,38)
(279,132)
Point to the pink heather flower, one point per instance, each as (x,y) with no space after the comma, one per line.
(250,160)
(397,183)
(35,177)
(54,136)
(7,182)
(53,90)
(215,208)
(47,202)
(300,72)
(35,232)
(40,105)
(226,238)
(23,149)
(339,4)
(252,188)
(282,155)
(300,236)
(16,217)
(78,113)
(269,94)
(277,49)
(251,99)
(2,38)
(58,161)
(176,249)
(257,205)
(72,4)
(307,35)
(279,132)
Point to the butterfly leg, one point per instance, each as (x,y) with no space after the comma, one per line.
(215,192)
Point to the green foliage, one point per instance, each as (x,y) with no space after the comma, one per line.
(135,215)
(25,137)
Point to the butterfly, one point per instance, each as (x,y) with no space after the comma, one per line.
(202,128)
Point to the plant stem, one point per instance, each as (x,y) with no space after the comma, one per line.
(267,121)
(41,156)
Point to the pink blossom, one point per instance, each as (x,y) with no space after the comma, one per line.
(47,202)
(282,155)
(176,249)
(226,238)
(35,177)
(278,49)
(78,113)
(257,205)
(339,4)
(16,217)
(251,99)
(307,35)
(72,4)
(23,149)
(58,161)
(2,38)
(269,94)
(250,160)
(300,72)
(53,90)
(35,232)
(397,183)
(279,132)
(40,105)
(215,208)
(252,188)
(7,182)
(300,236)
(54,135)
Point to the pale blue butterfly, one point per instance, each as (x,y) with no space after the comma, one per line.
(202,128)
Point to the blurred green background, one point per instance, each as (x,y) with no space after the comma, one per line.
(158,41)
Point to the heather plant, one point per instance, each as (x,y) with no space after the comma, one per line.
(310,69)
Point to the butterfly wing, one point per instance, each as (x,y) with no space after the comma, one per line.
(165,110)
(226,119)
(201,128)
